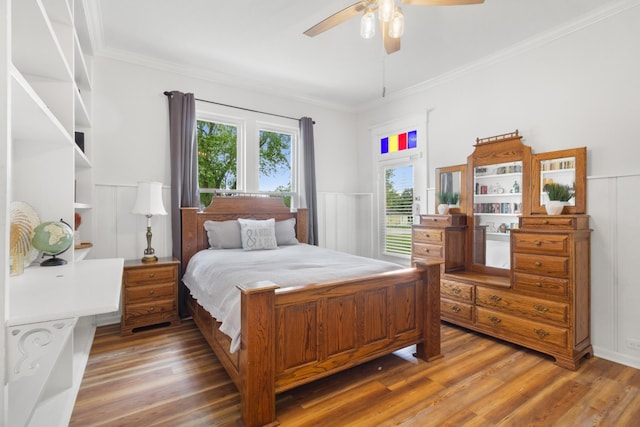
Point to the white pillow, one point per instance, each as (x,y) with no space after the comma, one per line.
(286,232)
(223,234)
(258,234)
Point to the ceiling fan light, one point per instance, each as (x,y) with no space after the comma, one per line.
(368,25)
(385,10)
(396,28)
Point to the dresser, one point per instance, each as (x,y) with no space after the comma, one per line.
(517,273)
(149,294)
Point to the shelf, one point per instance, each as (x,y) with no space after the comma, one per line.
(35,45)
(482,196)
(498,176)
(79,206)
(28,109)
(497,214)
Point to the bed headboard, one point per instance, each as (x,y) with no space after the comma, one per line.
(194,236)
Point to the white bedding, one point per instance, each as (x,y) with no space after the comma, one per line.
(212,275)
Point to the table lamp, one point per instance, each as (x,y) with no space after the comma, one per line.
(149,203)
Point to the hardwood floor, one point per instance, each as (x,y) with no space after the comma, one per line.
(170,377)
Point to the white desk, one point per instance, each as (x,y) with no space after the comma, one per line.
(50,330)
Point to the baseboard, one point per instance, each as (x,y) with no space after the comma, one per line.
(623,359)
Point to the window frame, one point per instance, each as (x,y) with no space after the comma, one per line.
(248,152)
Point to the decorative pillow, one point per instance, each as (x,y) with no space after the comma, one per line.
(258,234)
(223,234)
(286,232)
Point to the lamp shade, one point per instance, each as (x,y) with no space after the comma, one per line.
(149,200)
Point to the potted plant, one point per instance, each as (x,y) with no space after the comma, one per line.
(443,206)
(558,194)
(453,199)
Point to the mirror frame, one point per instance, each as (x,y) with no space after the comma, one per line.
(580,175)
(462,169)
(499,149)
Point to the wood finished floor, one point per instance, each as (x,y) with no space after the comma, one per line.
(170,377)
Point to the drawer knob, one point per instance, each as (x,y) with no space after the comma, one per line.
(541,308)
(456,309)
(538,284)
(151,292)
(456,290)
(545,222)
(541,333)
(151,309)
(537,243)
(434,219)
(495,298)
(537,264)
(495,320)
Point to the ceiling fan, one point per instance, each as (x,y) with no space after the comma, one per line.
(390,16)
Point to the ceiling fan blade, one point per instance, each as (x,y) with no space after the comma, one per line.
(338,18)
(390,44)
(441,2)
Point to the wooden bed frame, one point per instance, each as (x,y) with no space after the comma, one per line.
(295,335)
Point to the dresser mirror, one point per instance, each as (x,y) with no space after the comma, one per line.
(500,171)
(451,180)
(565,167)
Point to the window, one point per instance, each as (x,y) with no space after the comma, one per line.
(398,209)
(244,155)
(217,157)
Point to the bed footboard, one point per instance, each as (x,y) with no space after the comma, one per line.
(294,336)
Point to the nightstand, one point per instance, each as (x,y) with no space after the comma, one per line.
(149,294)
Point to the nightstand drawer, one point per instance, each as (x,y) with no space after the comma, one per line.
(136,294)
(151,274)
(157,310)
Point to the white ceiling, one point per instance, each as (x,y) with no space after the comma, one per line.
(259,44)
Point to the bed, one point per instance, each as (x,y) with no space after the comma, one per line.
(292,335)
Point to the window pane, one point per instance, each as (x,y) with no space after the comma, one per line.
(217,157)
(398,210)
(275,161)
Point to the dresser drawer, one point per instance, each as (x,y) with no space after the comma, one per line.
(155,274)
(443,220)
(422,250)
(541,264)
(136,294)
(151,311)
(456,290)
(542,285)
(428,235)
(534,332)
(544,243)
(520,305)
(456,310)
(559,222)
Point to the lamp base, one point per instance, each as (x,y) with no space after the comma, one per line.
(149,259)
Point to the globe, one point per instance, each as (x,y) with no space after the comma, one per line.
(52,238)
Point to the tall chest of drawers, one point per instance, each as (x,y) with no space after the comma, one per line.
(149,294)
(440,238)
(550,274)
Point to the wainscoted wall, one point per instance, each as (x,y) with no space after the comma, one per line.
(614,206)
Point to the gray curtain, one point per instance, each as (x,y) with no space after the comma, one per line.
(306,132)
(184,168)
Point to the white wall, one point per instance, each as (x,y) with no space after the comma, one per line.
(571,89)
(132,144)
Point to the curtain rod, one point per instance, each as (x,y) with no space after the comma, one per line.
(167,93)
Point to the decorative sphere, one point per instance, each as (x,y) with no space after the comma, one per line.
(52,238)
